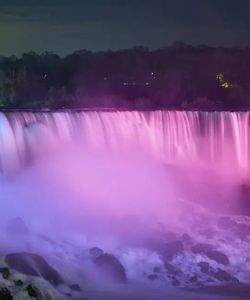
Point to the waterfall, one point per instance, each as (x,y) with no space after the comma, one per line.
(220,138)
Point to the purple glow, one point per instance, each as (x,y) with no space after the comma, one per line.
(121,181)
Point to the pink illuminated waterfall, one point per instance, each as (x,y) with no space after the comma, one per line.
(220,138)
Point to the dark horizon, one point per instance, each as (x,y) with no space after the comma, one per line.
(174,45)
(63,27)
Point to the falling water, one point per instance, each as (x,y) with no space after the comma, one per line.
(207,137)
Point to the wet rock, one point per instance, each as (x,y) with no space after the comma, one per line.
(193,279)
(68,295)
(35,265)
(172,249)
(18,282)
(201,248)
(175,282)
(171,269)
(204,267)
(5,272)
(218,256)
(153,277)
(109,265)
(95,252)
(32,292)
(5,294)
(223,275)
(17,226)
(75,287)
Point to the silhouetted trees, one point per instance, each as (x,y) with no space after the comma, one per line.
(176,77)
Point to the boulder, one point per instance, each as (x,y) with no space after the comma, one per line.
(153,277)
(223,275)
(5,294)
(18,282)
(175,282)
(95,252)
(204,267)
(75,287)
(218,256)
(32,292)
(110,266)
(171,269)
(35,265)
(5,272)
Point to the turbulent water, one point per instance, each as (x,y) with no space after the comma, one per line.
(214,137)
(137,185)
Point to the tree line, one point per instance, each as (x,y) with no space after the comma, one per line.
(176,77)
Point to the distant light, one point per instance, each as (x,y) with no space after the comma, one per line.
(147,83)
(129,83)
(226,85)
(222,82)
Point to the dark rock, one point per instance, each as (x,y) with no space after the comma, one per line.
(175,282)
(171,269)
(204,267)
(223,275)
(193,279)
(5,294)
(109,265)
(218,256)
(18,282)
(35,265)
(95,252)
(5,272)
(201,248)
(153,277)
(17,226)
(172,249)
(75,287)
(32,292)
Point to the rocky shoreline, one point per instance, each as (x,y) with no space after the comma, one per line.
(211,258)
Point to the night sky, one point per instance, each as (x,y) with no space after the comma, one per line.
(63,26)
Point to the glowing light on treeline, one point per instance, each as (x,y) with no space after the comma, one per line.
(221,79)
